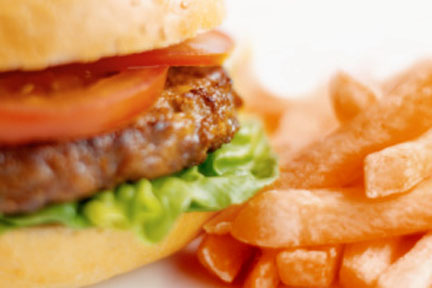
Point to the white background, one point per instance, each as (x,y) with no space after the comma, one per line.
(297,45)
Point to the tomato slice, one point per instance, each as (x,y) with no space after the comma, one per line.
(44,106)
(83,100)
(207,49)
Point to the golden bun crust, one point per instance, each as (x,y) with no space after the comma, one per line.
(35,34)
(61,257)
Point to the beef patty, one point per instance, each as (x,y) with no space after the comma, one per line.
(194,115)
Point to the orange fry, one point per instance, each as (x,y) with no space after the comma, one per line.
(308,267)
(223,256)
(221,223)
(349,97)
(337,159)
(257,99)
(405,76)
(292,218)
(302,124)
(264,274)
(414,269)
(398,168)
(364,262)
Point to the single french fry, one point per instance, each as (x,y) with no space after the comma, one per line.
(337,159)
(256,97)
(221,223)
(349,96)
(364,262)
(414,269)
(405,76)
(223,256)
(264,273)
(291,218)
(398,168)
(303,123)
(308,267)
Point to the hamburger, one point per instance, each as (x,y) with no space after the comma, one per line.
(119,136)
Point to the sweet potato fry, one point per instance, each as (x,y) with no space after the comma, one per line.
(349,96)
(264,273)
(337,159)
(223,256)
(414,269)
(364,262)
(398,168)
(221,223)
(308,267)
(291,218)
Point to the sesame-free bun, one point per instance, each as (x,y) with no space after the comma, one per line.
(48,257)
(35,34)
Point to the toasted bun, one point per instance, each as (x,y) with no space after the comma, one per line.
(61,257)
(35,34)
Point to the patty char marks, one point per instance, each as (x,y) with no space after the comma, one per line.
(195,114)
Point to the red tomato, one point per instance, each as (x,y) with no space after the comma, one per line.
(83,100)
(44,106)
(207,49)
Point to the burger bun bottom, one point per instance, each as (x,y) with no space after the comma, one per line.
(62,257)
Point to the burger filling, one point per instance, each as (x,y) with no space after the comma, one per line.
(184,150)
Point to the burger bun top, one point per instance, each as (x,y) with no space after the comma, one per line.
(35,34)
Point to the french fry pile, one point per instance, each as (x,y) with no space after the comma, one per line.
(353,204)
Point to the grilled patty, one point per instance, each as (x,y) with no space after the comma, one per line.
(194,115)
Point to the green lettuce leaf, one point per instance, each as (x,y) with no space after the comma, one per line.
(230,175)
